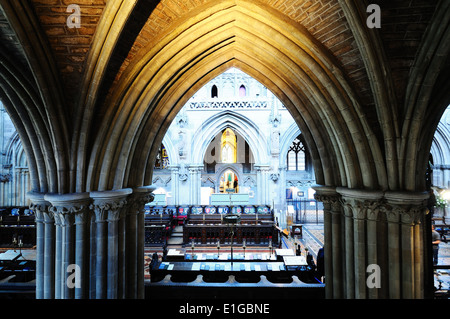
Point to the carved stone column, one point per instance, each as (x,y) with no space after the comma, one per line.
(65,208)
(326,195)
(49,256)
(140,197)
(195,183)
(175,184)
(364,207)
(349,284)
(40,208)
(393,219)
(107,206)
(407,209)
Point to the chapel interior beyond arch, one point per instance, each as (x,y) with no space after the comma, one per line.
(215,149)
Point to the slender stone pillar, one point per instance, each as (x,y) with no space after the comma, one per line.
(393,219)
(66,207)
(175,184)
(122,244)
(326,195)
(364,206)
(83,217)
(58,253)
(408,209)
(107,205)
(40,208)
(92,255)
(140,197)
(349,284)
(49,256)
(374,241)
(338,253)
(131,253)
(195,183)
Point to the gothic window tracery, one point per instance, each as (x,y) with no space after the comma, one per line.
(296,159)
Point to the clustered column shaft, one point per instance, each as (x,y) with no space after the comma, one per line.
(371,228)
(90,245)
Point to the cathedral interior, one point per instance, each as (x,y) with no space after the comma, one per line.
(253,148)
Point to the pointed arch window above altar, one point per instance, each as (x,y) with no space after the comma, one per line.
(228,146)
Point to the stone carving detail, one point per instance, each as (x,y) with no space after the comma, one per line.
(274,177)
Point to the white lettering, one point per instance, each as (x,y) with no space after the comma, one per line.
(374,279)
(74,20)
(74,279)
(374,20)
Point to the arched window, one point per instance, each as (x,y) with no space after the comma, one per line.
(228,146)
(242,91)
(296,159)
(214,91)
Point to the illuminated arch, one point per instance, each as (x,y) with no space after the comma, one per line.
(284,58)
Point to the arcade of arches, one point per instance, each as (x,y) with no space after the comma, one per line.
(92,104)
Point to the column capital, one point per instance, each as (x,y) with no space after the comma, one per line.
(407,198)
(262,167)
(107,204)
(68,203)
(141,196)
(38,201)
(406,207)
(364,204)
(65,207)
(328,196)
(38,205)
(173,168)
(360,194)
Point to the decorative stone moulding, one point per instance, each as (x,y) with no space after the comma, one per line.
(68,200)
(407,198)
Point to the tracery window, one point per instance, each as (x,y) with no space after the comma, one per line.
(296,159)
(228,146)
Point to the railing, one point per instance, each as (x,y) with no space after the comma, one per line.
(307,211)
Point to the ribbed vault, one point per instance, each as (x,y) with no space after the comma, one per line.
(367,100)
(276,52)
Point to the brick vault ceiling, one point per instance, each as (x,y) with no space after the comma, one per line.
(404,23)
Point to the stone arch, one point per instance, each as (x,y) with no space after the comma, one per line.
(306,80)
(441,145)
(35,102)
(286,140)
(222,170)
(171,150)
(228,119)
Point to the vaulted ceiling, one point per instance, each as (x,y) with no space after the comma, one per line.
(69,72)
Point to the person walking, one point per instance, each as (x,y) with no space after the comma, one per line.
(436,238)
